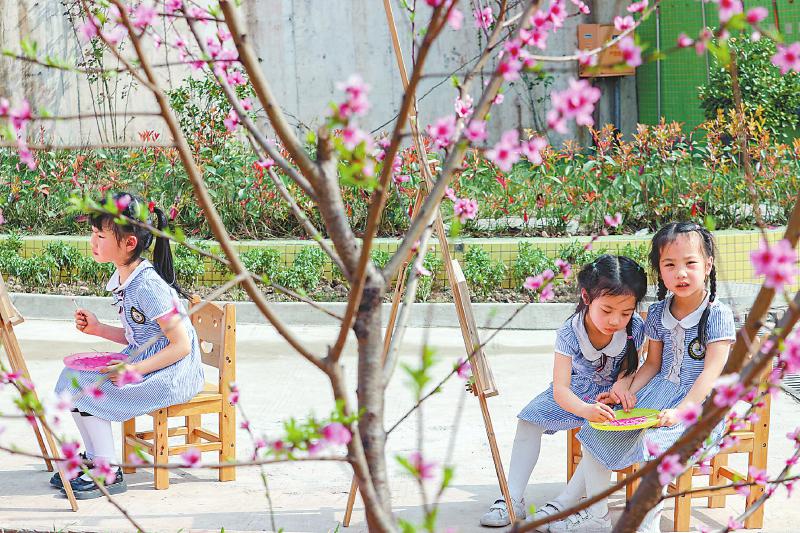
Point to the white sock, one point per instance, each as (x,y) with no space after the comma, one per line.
(597,478)
(102,437)
(524,454)
(575,490)
(85,435)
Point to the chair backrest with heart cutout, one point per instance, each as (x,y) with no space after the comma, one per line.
(216,333)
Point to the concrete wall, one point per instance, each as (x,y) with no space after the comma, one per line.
(306,47)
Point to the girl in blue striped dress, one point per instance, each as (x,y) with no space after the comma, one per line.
(690,334)
(596,351)
(156,375)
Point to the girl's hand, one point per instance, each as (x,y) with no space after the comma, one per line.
(87,322)
(598,412)
(620,394)
(667,417)
(117,371)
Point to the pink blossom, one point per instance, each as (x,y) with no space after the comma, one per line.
(223,35)
(795,436)
(200,14)
(337,434)
(353,136)
(231,121)
(245,425)
(72,461)
(475,131)
(233,397)
(638,7)
(266,163)
(758,476)
(425,470)
(506,152)
(582,7)
(631,53)
(464,107)
(115,35)
(533,283)
(25,154)
(705,467)
(728,390)
(357,102)
(4,106)
(532,149)
(143,16)
(247,104)
(787,57)
(547,294)
(690,414)
(399,179)
(173,212)
(134,459)
(88,30)
(20,115)
(129,376)
(564,267)
(465,209)
(558,13)
(314,448)
(463,369)
(434,3)
(455,19)
(191,457)
(652,448)
(450,194)
(94,391)
(790,355)
(103,471)
(421,270)
(442,131)
(669,467)
(777,263)
(728,8)
(586,59)
(498,99)
(235,77)
(614,221)
(172,6)
(624,23)
(756,15)
(123,202)
(684,41)
(509,69)
(742,490)
(576,101)
(483,18)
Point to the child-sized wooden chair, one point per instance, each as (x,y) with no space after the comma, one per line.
(752,440)
(216,332)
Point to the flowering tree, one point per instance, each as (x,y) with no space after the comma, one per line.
(340,153)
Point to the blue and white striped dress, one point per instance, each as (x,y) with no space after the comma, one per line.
(143,298)
(593,371)
(680,368)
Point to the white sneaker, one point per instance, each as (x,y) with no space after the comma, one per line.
(583,522)
(497,515)
(548,509)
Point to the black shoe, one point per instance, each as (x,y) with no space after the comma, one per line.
(87,489)
(55,481)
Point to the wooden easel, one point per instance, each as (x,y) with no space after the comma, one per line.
(484,385)
(10,317)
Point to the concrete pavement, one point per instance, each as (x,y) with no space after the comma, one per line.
(310,497)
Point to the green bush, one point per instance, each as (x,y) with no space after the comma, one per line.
(637,252)
(577,255)
(483,275)
(262,261)
(530,261)
(11,244)
(65,256)
(189,265)
(90,271)
(307,269)
(762,85)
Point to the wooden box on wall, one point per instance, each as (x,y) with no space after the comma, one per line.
(610,61)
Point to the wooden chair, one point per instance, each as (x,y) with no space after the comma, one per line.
(753,440)
(216,332)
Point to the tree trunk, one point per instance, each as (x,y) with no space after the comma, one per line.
(367,328)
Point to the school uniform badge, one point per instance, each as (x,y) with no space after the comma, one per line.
(696,350)
(137,316)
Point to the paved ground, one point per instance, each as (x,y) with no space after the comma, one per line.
(311,497)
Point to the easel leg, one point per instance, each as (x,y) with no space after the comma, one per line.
(498,463)
(351,501)
(64,478)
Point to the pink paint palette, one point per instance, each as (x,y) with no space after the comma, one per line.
(92,361)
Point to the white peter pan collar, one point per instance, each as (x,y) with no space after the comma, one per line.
(113,283)
(690,320)
(590,353)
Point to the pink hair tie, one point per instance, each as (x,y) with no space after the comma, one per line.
(630,337)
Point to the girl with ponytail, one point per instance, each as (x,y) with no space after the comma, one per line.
(690,334)
(596,356)
(161,364)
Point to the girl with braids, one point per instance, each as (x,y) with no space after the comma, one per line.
(164,373)
(596,352)
(690,334)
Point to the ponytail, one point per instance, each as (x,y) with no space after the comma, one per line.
(162,254)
